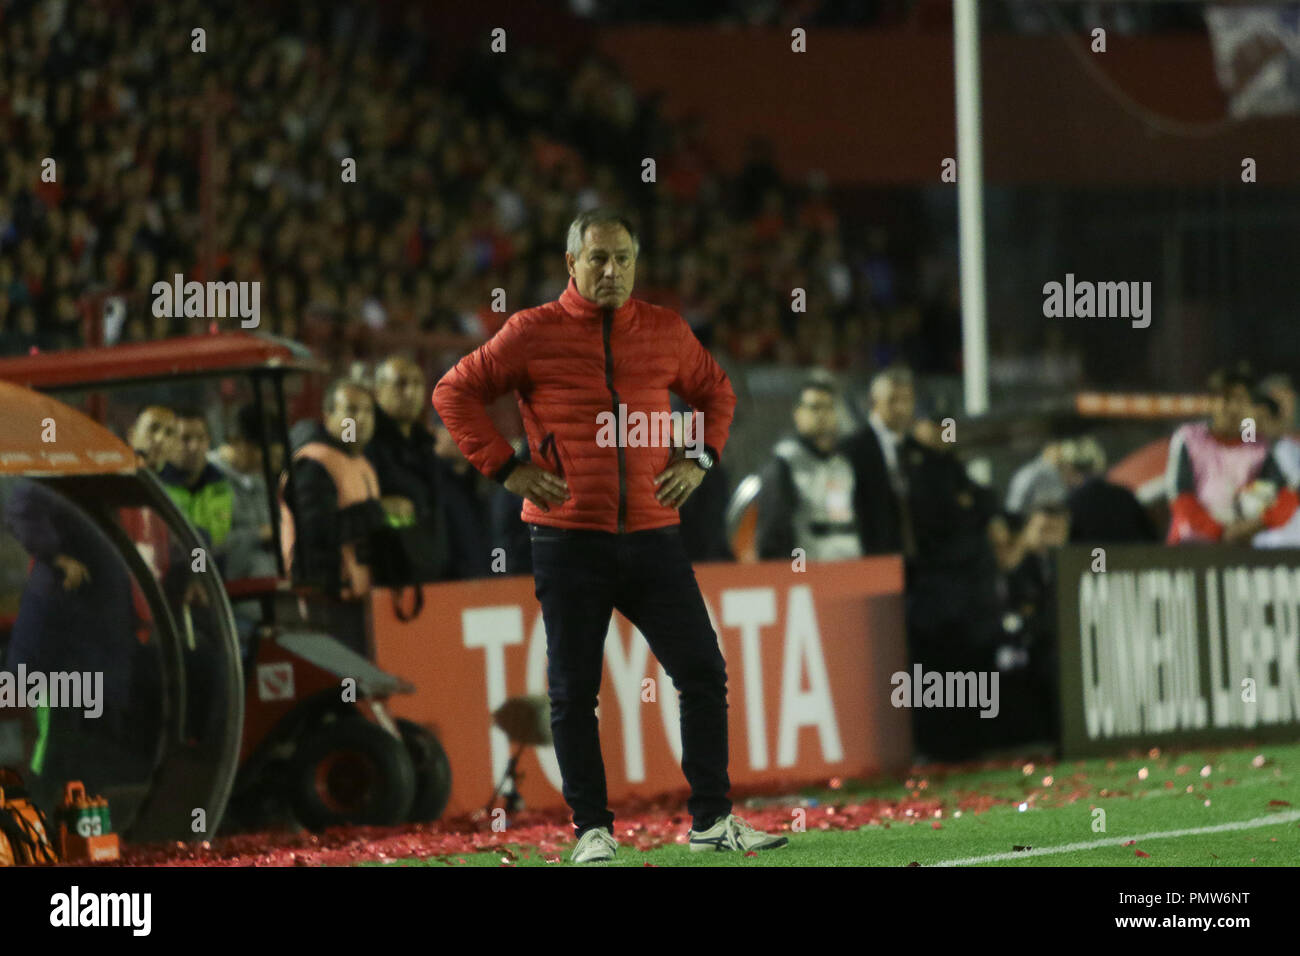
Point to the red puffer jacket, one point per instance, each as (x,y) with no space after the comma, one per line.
(570,360)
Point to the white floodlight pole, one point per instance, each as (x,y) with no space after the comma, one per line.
(970,216)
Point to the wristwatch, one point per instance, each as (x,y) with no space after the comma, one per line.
(705,458)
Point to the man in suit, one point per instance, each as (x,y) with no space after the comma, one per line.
(914,499)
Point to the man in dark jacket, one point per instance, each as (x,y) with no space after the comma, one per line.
(466,509)
(1101,512)
(336,510)
(402,453)
(917,500)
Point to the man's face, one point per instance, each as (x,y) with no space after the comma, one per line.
(606,267)
(1267,424)
(355,404)
(246,456)
(1230,407)
(1286,401)
(154,436)
(401,392)
(816,419)
(192,445)
(895,403)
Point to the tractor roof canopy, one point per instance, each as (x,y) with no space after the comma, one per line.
(188,356)
(42,437)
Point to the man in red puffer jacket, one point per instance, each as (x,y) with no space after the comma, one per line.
(593,372)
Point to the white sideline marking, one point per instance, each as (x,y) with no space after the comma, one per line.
(1120,840)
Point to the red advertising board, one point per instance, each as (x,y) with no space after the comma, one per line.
(809,657)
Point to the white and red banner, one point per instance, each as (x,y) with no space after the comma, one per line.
(809,657)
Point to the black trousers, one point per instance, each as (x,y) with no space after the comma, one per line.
(581,577)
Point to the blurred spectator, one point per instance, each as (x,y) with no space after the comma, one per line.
(249,548)
(249,551)
(153,436)
(880,501)
(910,498)
(1026,656)
(806,499)
(1212,463)
(337,494)
(337,509)
(1280,389)
(1047,463)
(1101,512)
(465,509)
(1275,420)
(403,456)
(199,488)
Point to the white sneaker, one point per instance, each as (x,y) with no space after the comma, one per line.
(733,833)
(596,846)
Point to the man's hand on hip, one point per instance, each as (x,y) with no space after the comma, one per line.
(677,481)
(538,485)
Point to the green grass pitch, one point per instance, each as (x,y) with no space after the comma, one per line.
(1195,808)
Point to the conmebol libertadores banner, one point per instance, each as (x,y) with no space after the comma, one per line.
(1178,645)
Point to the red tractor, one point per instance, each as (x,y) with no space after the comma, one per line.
(315,738)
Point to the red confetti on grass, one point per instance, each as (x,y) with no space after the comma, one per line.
(652,824)
(1130,842)
(751,853)
(1279,803)
(936,825)
(1141,854)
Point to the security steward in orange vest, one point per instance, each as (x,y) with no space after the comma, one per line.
(337,508)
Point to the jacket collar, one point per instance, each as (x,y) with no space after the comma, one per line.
(386,430)
(573,303)
(813,450)
(323,437)
(171,475)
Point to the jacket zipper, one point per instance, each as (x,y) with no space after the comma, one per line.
(608,328)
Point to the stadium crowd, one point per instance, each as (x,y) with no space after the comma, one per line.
(229,165)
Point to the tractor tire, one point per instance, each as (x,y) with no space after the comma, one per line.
(350,771)
(432,772)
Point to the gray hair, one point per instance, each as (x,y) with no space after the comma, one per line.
(339,384)
(1084,454)
(599,217)
(386,370)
